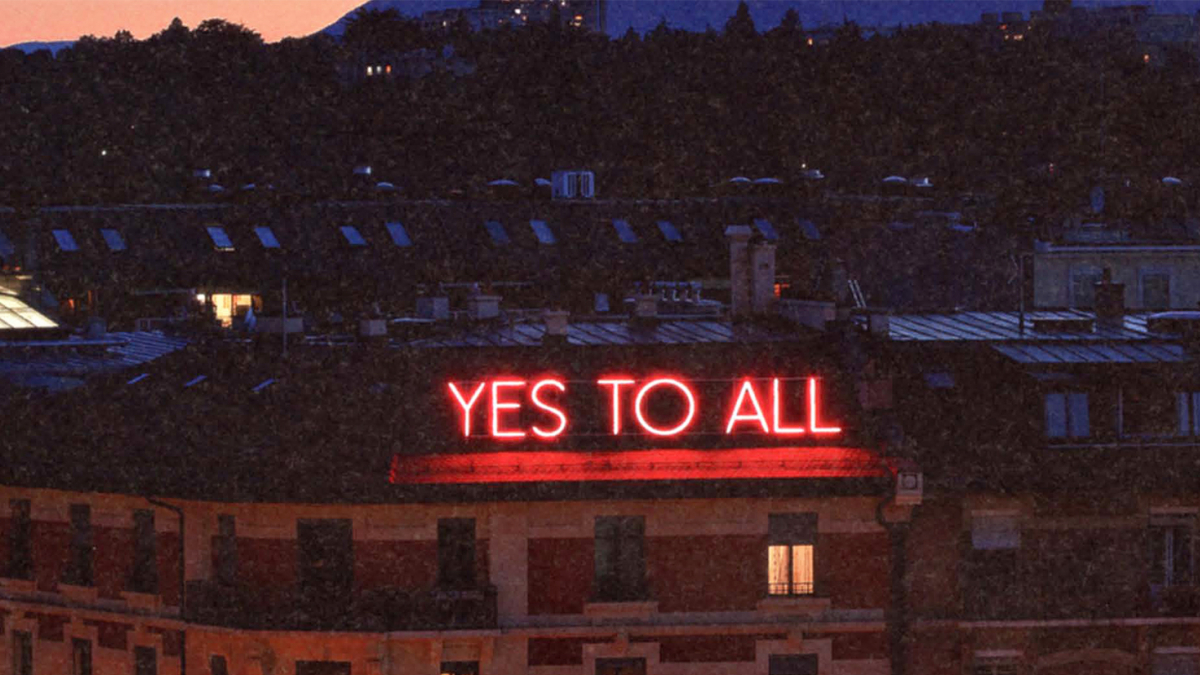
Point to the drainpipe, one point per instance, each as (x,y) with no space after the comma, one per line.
(898,614)
(182,582)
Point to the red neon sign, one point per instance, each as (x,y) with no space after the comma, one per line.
(508,396)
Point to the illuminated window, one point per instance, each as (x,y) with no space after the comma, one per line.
(352,235)
(79,569)
(81,657)
(669,231)
(145,554)
(227,306)
(219,238)
(793,664)
(767,229)
(792,539)
(1187,408)
(22,652)
(1145,58)
(398,234)
(620,558)
(145,661)
(542,231)
(66,242)
(267,237)
(20,541)
(113,239)
(496,232)
(1067,415)
(624,232)
(1172,556)
(456,552)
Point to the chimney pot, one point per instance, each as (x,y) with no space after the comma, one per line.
(556,322)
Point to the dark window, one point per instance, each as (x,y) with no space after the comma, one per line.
(322,668)
(217,665)
(1171,553)
(326,567)
(20,541)
(1156,290)
(1083,286)
(145,554)
(620,558)
(456,552)
(460,668)
(226,550)
(620,666)
(81,657)
(793,664)
(22,653)
(145,661)
(990,566)
(79,571)
(791,553)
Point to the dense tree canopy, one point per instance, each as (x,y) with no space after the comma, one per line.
(117,119)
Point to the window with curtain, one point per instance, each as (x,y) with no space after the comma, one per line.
(792,539)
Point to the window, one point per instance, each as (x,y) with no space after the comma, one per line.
(1067,415)
(66,242)
(669,231)
(1187,406)
(145,661)
(113,239)
(496,232)
(1156,290)
(322,668)
(624,232)
(620,558)
(1083,286)
(217,665)
(792,539)
(79,570)
(792,664)
(398,234)
(459,668)
(22,653)
(20,541)
(145,554)
(620,666)
(767,229)
(456,552)
(81,657)
(1171,549)
(352,235)
(267,237)
(542,231)
(226,550)
(991,565)
(326,566)
(219,238)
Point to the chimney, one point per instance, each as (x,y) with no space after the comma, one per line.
(740,272)
(762,277)
(482,307)
(436,308)
(1110,300)
(556,326)
(645,306)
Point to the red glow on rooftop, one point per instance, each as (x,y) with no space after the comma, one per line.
(631,465)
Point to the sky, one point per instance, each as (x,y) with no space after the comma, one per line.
(53,20)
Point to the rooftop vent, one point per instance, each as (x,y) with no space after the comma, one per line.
(573,184)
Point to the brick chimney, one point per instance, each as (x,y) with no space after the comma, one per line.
(1110,300)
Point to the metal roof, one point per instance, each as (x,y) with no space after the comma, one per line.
(612,333)
(64,356)
(1115,352)
(998,326)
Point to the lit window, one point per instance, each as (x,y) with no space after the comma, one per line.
(1171,554)
(267,237)
(219,238)
(352,235)
(542,230)
(669,231)
(792,539)
(113,239)
(66,242)
(1145,58)
(388,69)
(624,232)
(1067,415)
(810,42)
(398,234)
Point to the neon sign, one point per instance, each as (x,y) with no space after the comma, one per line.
(501,402)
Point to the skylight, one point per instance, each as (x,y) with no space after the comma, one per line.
(352,236)
(65,241)
(542,230)
(624,231)
(219,238)
(669,231)
(767,229)
(15,314)
(810,230)
(399,234)
(113,239)
(496,230)
(267,237)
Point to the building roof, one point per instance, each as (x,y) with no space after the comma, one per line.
(1057,326)
(611,333)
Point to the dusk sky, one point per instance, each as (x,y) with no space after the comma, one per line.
(50,20)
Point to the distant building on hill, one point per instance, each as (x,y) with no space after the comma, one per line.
(588,14)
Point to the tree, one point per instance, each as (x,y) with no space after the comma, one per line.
(741,24)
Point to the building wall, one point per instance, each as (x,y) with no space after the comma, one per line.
(1052,274)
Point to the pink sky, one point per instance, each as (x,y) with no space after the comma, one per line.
(50,20)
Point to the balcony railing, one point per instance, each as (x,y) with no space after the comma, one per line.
(786,589)
(379,610)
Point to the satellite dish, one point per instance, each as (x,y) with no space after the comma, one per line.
(1097,199)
